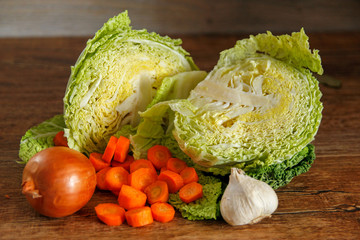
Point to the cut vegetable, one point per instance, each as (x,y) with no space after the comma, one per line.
(142,178)
(126,164)
(110,213)
(60,139)
(98,162)
(157,192)
(139,217)
(191,192)
(100,178)
(121,149)
(173,180)
(115,177)
(159,155)
(163,212)
(141,163)
(189,175)
(130,197)
(176,165)
(110,149)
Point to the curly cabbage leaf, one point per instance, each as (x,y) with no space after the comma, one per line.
(260,104)
(115,77)
(40,137)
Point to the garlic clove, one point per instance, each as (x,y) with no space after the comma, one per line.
(247,200)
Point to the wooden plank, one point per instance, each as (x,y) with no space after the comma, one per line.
(84,17)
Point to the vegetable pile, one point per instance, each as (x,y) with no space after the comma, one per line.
(163,135)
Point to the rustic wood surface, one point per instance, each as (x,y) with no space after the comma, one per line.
(323,203)
(20,18)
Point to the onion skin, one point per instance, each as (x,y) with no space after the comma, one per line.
(58,181)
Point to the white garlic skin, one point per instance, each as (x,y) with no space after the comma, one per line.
(247,200)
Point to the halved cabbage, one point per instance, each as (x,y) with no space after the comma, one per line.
(115,77)
(260,104)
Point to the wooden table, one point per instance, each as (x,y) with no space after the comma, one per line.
(323,203)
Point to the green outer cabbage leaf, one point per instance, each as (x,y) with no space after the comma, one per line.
(40,137)
(117,75)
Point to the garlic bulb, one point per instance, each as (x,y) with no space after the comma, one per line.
(247,200)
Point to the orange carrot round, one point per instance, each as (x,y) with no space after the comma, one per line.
(121,149)
(189,175)
(130,197)
(159,156)
(126,164)
(110,213)
(139,217)
(115,177)
(157,192)
(191,192)
(142,178)
(97,161)
(173,180)
(162,212)
(175,165)
(100,178)
(110,149)
(141,163)
(60,139)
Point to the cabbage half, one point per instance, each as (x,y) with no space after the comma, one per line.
(259,105)
(115,77)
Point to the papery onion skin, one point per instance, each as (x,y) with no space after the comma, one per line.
(58,181)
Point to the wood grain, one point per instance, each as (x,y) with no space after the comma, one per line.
(320,204)
(83,17)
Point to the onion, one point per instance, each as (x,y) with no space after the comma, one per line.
(58,181)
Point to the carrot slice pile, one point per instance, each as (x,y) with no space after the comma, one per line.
(110,213)
(100,178)
(126,164)
(162,212)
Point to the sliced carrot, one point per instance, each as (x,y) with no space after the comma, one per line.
(162,212)
(189,175)
(175,165)
(191,192)
(158,155)
(157,192)
(126,164)
(142,178)
(110,213)
(100,178)
(115,178)
(173,180)
(139,217)
(130,197)
(60,139)
(121,149)
(110,149)
(162,169)
(141,163)
(97,161)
